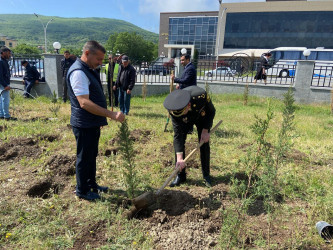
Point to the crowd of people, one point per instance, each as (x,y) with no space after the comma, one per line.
(188,105)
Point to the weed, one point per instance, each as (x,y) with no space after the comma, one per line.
(55,107)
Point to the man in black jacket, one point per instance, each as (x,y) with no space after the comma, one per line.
(125,83)
(189,76)
(5,84)
(31,76)
(187,107)
(65,63)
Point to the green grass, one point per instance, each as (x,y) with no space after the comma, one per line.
(62,220)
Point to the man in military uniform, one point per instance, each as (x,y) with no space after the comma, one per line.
(187,107)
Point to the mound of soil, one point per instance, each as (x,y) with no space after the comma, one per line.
(18,148)
(180,220)
(62,165)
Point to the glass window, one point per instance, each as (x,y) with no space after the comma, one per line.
(198,30)
(325,55)
(279,29)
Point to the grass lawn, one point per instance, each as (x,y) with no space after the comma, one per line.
(39,210)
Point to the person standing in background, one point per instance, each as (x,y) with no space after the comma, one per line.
(125,83)
(5,84)
(189,76)
(66,63)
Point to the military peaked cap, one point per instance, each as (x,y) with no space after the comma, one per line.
(177,99)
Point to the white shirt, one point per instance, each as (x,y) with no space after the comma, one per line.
(79,82)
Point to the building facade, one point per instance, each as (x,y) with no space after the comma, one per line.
(8,42)
(240,26)
(188,30)
(271,24)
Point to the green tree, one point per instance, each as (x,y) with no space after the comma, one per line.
(109,45)
(135,46)
(25,49)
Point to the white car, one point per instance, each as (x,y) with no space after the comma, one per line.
(220,71)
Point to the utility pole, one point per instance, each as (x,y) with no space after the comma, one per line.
(44,27)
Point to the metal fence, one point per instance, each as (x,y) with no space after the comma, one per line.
(148,73)
(322,76)
(241,71)
(17,71)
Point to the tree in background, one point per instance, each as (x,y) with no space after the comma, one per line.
(133,45)
(25,49)
(73,51)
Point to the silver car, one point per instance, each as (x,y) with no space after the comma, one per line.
(220,71)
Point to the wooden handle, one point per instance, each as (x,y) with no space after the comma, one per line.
(190,154)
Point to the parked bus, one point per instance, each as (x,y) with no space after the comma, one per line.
(284,59)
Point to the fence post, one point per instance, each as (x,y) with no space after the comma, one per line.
(53,74)
(303,79)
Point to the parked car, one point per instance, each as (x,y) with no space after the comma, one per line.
(156,69)
(220,71)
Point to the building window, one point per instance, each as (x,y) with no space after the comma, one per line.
(194,31)
(10,45)
(270,30)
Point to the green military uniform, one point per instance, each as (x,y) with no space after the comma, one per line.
(201,114)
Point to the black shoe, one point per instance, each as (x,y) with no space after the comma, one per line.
(208,181)
(11,119)
(89,196)
(100,189)
(177,181)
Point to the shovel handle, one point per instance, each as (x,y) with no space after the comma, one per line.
(190,154)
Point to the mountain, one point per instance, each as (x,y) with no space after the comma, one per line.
(70,32)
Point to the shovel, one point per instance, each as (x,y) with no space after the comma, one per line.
(149,198)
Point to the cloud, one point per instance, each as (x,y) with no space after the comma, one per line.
(157,6)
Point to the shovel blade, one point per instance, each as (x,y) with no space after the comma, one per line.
(145,200)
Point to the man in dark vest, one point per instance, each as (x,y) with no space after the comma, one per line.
(89,112)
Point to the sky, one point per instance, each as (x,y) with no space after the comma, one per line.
(143,13)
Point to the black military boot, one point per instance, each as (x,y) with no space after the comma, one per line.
(180,178)
(208,181)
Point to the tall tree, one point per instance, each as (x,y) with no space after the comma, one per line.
(135,46)
(25,49)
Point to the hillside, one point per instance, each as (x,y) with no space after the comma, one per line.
(68,31)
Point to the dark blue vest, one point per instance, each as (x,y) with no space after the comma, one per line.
(81,118)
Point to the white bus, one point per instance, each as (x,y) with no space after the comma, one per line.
(284,59)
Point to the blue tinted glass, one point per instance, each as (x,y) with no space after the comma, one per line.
(279,29)
(325,55)
(291,55)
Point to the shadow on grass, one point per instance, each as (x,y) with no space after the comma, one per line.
(151,115)
(221,133)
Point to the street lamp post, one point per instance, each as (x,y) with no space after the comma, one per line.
(306,53)
(44,27)
(57,46)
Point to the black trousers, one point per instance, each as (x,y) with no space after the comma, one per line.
(204,154)
(115,94)
(86,152)
(64,89)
